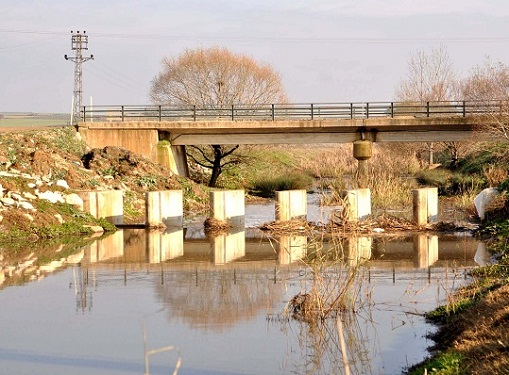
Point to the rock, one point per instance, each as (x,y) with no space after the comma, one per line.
(51,196)
(63,184)
(31,185)
(75,200)
(8,202)
(17,197)
(59,218)
(94,228)
(29,217)
(29,196)
(26,205)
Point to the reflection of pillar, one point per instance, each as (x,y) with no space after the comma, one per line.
(165,245)
(425,202)
(426,250)
(359,249)
(291,248)
(228,246)
(358,204)
(164,208)
(105,248)
(228,206)
(291,205)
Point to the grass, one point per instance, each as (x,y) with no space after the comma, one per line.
(448,363)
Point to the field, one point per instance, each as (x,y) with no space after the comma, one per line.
(33,120)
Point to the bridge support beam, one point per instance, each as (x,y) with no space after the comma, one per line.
(362,151)
(425,204)
(228,206)
(291,205)
(174,158)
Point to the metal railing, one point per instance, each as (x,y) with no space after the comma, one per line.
(273,112)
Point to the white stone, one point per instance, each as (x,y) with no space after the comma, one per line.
(94,228)
(59,218)
(29,196)
(29,217)
(63,184)
(7,202)
(17,197)
(31,185)
(75,200)
(51,196)
(26,205)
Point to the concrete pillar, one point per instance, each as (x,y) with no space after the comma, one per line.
(228,206)
(291,205)
(291,248)
(228,246)
(357,205)
(107,204)
(426,250)
(425,202)
(164,208)
(174,158)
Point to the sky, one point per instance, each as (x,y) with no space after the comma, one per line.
(325,50)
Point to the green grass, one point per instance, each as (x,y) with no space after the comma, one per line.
(448,363)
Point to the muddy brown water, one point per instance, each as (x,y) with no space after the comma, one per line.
(141,301)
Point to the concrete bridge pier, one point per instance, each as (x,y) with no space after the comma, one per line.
(107,204)
(164,208)
(357,205)
(426,250)
(291,205)
(425,204)
(173,157)
(228,206)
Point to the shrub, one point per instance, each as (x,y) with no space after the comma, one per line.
(267,186)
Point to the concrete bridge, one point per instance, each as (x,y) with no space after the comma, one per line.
(142,128)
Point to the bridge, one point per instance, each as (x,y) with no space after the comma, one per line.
(141,128)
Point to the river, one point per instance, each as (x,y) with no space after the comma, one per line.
(145,301)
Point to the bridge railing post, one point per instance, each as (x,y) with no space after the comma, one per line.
(273,112)
(464,109)
(122,113)
(160,114)
(84,114)
(427,109)
(351,110)
(233,112)
(312,112)
(194,113)
(367,110)
(392,109)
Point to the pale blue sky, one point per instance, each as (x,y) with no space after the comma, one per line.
(325,51)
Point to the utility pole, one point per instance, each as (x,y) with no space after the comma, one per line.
(79,42)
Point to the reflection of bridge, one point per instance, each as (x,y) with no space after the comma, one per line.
(140,246)
(140,128)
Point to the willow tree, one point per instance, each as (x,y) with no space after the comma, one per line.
(215,78)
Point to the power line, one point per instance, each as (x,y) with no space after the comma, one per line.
(344,40)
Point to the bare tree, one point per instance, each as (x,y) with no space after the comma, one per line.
(430,78)
(488,84)
(215,78)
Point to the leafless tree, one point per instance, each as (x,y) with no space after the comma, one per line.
(215,78)
(488,84)
(430,78)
